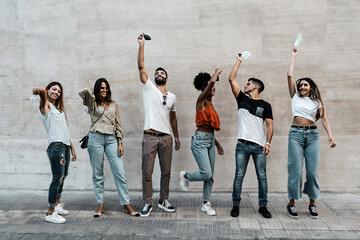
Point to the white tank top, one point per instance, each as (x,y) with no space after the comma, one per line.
(56,126)
(304,107)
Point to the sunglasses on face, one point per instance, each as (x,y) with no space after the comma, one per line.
(102,88)
(164,101)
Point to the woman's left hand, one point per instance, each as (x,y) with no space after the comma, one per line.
(332,142)
(220,149)
(121,149)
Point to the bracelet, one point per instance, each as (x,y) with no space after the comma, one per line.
(268,144)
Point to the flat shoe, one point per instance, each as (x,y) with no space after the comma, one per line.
(134,214)
(97,214)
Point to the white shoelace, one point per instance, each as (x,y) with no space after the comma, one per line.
(292,209)
(166,203)
(146,207)
(313,209)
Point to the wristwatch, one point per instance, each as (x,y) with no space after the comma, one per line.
(268,144)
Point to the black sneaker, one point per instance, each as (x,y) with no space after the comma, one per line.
(235,211)
(264,212)
(292,212)
(146,210)
(313,213)
(165,205)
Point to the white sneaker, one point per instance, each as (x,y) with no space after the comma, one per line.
(207,208)
(55,218)
(60,210)
(184,183)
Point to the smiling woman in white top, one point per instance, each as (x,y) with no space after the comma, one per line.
(58,146)
(307,108)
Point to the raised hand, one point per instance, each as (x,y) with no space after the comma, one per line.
(238,57)
(141,39)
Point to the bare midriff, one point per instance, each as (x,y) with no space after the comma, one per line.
(301,121)
(205,128)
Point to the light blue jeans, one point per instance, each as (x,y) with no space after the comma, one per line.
(245,149)
(303,143)
(203,149)
(97,145)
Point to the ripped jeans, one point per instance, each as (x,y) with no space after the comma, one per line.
(59,156)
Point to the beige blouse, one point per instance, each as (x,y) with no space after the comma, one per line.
(110,122)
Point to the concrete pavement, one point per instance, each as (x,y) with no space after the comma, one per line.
(22,217)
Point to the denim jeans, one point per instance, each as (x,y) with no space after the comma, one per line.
(303,143)
(244,150)
(98,145)
(203,149)
(59,156)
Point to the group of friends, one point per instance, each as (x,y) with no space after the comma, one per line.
(255,120)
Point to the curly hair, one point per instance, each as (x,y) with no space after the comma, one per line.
(201,80)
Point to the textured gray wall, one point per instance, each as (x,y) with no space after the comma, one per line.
(76,42)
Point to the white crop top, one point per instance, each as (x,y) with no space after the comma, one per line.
(304,107)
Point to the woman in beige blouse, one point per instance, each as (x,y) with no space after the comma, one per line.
(106,136)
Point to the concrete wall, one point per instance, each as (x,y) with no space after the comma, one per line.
(76,42)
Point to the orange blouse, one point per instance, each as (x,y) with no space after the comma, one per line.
(208,117)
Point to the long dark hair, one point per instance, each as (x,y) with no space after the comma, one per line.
(314,94)
(59,102)
(98,98)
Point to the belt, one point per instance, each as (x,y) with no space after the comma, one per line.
(155,133)
(304,127)
(246,141)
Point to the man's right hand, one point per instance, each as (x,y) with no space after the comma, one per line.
(141,39)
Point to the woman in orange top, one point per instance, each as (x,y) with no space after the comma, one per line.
(203,142)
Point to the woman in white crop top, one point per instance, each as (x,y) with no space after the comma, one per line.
(58,146)
(307,108)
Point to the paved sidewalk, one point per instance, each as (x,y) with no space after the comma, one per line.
(22,217)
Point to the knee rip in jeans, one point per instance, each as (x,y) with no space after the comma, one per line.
(62,178)
(62,161)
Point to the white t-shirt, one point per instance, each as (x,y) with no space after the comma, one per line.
(304,107)
(157,115)
(56,126)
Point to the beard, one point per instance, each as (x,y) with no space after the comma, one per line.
(160,81)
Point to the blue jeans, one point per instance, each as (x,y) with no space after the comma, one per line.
(98,145)
(303,143)
(203,149)
(244,150)
(59,156)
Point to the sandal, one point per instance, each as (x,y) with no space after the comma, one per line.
(99,211)
(131,211)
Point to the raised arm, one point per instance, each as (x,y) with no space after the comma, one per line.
(173,123)
(325,122)
(44,104)
(210,85)
(142,71)
(291,84)
(232,77)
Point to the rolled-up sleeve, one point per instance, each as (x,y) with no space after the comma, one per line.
(88,98)
(118,127)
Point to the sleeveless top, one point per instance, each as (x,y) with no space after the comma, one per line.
(208,117)
(56,126)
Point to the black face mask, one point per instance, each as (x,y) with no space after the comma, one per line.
(160,81)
